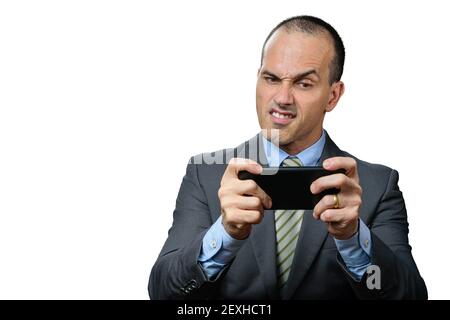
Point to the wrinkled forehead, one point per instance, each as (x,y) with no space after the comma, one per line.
(290,52)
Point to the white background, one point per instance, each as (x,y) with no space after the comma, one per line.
(97,96)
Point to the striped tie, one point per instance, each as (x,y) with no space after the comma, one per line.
(287,224)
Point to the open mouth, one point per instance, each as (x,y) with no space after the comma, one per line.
(281,117)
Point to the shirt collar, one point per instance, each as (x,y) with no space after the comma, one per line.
(309,157)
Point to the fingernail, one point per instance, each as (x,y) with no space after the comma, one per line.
(326,164)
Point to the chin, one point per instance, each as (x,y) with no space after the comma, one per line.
(282,140)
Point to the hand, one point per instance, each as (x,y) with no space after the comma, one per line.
(242,202)
(343,221)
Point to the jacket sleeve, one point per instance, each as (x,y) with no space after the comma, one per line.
(391,252)
(176,273)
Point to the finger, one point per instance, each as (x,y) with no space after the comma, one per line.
(333,215)
(239,164)
(249,203)
(327,202)
(243,217)
(337,180)
(347,163)
(250,187)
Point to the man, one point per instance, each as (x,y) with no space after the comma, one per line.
(225,242)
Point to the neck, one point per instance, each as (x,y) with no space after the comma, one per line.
(302,143)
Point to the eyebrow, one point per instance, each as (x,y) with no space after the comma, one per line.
(297,76)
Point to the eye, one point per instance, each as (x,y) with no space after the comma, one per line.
(270,79)
(304,84)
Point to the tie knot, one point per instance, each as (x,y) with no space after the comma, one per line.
(291,162)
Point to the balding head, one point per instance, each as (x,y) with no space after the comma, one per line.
(315,27)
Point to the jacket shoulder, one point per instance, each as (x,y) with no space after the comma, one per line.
(373,174)
(222,156)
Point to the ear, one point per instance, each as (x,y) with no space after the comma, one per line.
(257,74)
(336,92)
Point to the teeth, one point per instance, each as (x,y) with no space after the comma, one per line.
(281,116)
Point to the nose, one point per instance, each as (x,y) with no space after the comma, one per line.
(284,94)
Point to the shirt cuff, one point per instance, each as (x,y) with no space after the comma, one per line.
(356,251)
(218,244)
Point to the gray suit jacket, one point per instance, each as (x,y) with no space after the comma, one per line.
(318,271)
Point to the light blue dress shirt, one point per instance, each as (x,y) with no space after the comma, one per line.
(219,248)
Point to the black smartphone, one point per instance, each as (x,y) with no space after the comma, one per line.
(289,187)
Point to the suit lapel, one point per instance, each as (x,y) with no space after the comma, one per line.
(312,235)
(263,242)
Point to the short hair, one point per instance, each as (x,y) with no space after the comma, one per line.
(313,25)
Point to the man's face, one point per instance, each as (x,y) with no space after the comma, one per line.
(293,91)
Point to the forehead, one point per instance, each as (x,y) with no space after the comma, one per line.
(288,53)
